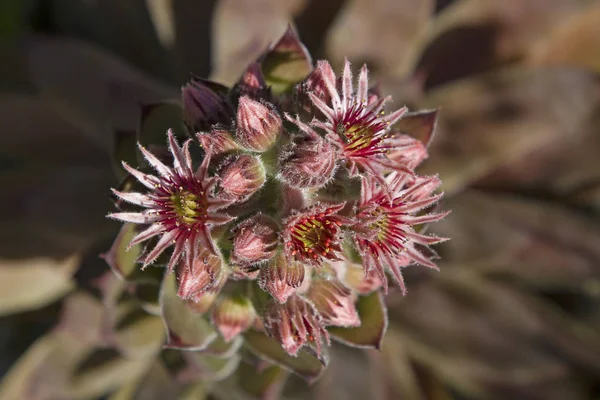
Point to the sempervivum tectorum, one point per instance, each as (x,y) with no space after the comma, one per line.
(275,199)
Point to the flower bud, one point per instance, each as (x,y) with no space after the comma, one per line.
(233,315)
(309,162)
(202,302)
(204,274)
(241,177)
(239,272)
(281,278)
(258,126)
(218,140)
(334,301)
(204,104)
(315,83)
(294,323)
(252,83)
(360,281)
(254,240)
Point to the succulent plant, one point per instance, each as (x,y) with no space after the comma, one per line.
(263,202)
(514,312)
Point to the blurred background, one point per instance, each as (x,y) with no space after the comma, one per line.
(514,312)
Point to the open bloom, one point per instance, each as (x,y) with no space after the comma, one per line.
(385,232)
(313,234)
(180,206)
(355,121)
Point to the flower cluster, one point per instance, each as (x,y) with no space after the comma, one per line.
(264,211)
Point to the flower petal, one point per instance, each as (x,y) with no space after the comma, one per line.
(150,181)
(363,85)
(165,241)
(152,231)
(161,168)
(136,218)
(347,84)
(135,198)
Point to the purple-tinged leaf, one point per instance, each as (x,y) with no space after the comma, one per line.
(374,321)
(419,125)
(306,364)
(186,329)
(286,63)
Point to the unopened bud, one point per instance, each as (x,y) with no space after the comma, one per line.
(252,83)
(310,162)
(204,104)
(233,315)
(218,140)
(281,278)
(295,324)
(317,83)
(258,126)
(205,274)
(334,301)
(360,281)
(254,240)
(241,177)
(202,302)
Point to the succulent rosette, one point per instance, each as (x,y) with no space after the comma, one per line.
(280,208)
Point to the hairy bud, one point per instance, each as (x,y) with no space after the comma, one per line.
(309,162)
(294,324)
(334,301)
(205,274)
(202,302)
(281,278)
(202,106)
(241,177)
(254,240)
(233,315)
(252,83)
(218,140)
(258,126)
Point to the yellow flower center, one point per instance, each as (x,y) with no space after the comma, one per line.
(189,207)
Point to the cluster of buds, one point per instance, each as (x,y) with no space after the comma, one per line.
(280,209)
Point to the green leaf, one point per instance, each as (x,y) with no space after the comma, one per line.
(15,382)
(374,321)
(286,63)
(44,371)
(103,371)
(306,364)
(220,348)
(120,259)
(33,283)
(83,317)
(156,120)
(262,383)
(124,149)
(185,328)
(209,367)
(139,335)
